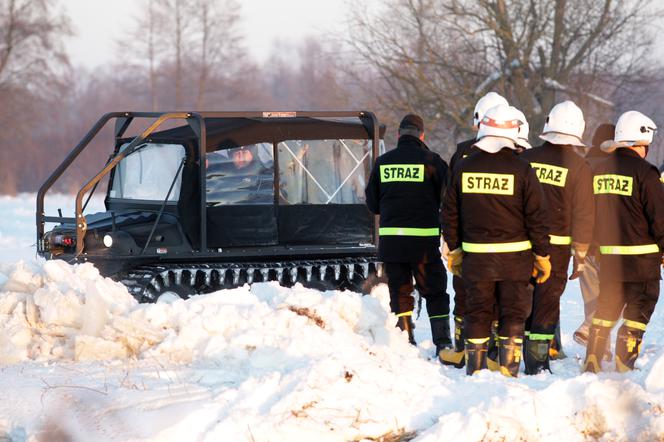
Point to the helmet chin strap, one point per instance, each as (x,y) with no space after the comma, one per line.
(642,150)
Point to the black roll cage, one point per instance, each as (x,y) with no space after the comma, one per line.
(196,121)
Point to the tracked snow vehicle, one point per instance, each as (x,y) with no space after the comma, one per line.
(224,199)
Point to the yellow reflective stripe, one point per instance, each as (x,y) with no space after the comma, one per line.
(603,322)
(550,174)
(488,183)
(560,240)
(629,250)
(410,313)
(501,247)
(438,316)
(413,173)
(635,324)
(540,337)
(408,231)
(614,184)
(478,340)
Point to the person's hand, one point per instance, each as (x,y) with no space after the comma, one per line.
(541,269)
(454,260)
(578,265)
(579,259)
(445,251)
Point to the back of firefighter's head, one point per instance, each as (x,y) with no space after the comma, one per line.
(564,125)
(412,125)
(485,103)
(633,131)
(500,128)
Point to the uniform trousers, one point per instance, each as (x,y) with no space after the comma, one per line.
(431,283)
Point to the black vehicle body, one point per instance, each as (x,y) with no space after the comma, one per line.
(224,199)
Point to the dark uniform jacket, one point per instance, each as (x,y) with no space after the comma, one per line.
(594,157)
(405,188)
(567,184)
(463,149)
(629,211)
(494,199)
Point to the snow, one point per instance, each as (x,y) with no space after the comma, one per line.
(81,360)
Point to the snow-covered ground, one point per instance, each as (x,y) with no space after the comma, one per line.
(81,361)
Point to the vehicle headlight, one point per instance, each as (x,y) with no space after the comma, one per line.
(108,240)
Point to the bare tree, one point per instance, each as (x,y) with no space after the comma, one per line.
(220,43)
(152,25)
(32,64)
(439,56)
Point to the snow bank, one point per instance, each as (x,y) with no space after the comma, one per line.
(271,363)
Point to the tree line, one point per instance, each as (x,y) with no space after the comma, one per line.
(433,57)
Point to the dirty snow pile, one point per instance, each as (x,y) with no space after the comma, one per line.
(80,359)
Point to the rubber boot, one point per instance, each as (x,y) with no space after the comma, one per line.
(536,355)
(440,333)
(598,338)
(556,347)
(628,346)
(476,351)
(406,323)
(455,357)
(509,355)
(492,353)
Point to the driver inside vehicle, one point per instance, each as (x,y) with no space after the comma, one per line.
(241,175)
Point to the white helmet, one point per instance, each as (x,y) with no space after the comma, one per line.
(524,130)
(564,125)
(485,103)
(499,128)
(632,129)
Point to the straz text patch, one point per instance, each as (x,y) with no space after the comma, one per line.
(615,184)
(490,183)
(550,174)
(402,172)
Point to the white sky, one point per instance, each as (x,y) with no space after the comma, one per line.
(99,22)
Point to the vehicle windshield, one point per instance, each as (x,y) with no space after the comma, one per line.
(148,173)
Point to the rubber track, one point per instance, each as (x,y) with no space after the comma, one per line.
(145,283)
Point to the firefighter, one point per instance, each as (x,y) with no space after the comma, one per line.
(494,219)
(629,210)
(567,183)
(464,148)
(405,188)
(588,269)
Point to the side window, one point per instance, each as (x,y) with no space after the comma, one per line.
(242,175)
(323,171)
(147,173)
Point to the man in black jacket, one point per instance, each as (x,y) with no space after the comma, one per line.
(463,149)
(588,270)
(494,223)
(567,184)
(405,188)
(629,211)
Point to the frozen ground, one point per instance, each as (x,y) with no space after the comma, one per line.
(81,361)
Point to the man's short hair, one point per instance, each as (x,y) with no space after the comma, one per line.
(411,124)
(410,130)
